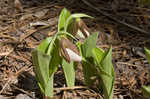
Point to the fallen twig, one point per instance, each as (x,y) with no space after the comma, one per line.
(8,36)
(71,88)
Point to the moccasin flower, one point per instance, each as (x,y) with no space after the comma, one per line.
(69,51)
(83,27)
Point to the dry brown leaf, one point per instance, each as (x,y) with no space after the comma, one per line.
(102,37)
(113,33)
(132,81)
(18,5)
(51,33)
(124,53)
(28,33)
(42,13)
(26,16)
(38,23)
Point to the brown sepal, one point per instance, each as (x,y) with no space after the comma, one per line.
(75,28)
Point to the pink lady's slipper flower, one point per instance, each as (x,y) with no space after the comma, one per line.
(69,51)
(80,25)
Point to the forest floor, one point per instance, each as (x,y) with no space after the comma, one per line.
(120,23)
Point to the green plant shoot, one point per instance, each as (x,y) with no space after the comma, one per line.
(106,71)
(146,89)
(49,54)
(59,50)
(89,69)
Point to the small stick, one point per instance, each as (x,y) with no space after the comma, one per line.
(71,88)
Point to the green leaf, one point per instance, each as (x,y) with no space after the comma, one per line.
(104,62)
(62,19)
(108,68)
(79,44)
(45,66)
(51,44)
(107,61)
(49,87)
(88,45)
(41,88)
(44,45)
(146,91)
(55,58)
(89,71)
(69,72)
(98,54)
(147,51)
(47,45)
(41,63)
(69,28)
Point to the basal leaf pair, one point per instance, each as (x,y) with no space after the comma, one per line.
(46,60)
(97,65)
(106,71)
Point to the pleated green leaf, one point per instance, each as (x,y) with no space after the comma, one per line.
(46,60)
(56,59)
(146,91)
(43,47)
(98,54)
(89,69)
(69,72)
(41,63)
(104,62)
(147,51)
(88,45)
(49,87)
(64,15)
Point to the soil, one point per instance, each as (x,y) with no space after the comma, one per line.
(122,24)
